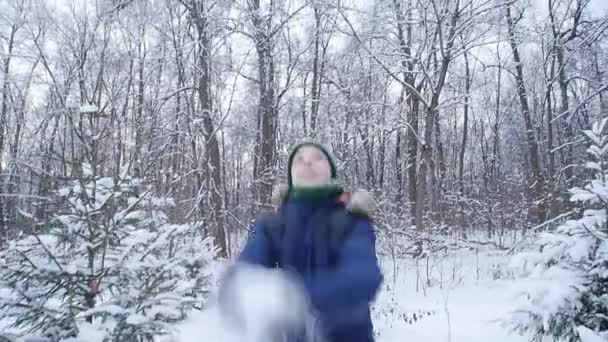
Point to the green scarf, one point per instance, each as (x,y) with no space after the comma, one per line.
(315,193)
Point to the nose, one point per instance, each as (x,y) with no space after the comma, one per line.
(307,161)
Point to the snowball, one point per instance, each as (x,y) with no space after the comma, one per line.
(263,299)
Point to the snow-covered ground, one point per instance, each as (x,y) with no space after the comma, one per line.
(467,293)
(452,297)
(457,300)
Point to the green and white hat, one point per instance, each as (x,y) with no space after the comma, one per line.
(326,151)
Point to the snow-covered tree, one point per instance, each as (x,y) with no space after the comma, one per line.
(566,286)
(111,264)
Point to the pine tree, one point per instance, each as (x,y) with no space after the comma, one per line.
(566,294)
(111,265)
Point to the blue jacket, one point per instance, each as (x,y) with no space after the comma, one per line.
(341,286)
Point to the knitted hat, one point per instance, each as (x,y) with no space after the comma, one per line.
(322,148)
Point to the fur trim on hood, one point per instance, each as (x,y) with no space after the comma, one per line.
(359,201)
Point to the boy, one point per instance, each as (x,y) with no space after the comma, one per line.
(323,238)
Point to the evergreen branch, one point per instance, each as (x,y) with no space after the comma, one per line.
(599,236)
(538,227)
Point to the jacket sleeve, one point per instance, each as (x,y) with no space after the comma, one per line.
(257,249)
(357,276)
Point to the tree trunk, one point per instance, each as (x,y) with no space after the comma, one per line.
(304,124)
(426,155)
(439,178)
(3,119)
(15,177)
(212,161)
(494,163)
(568,119)
(398,153)
(366,137)
(412,157)
(550,143)
(140,108)
(316,79)
(404,35)
(426,150)
(559,45)
(465,124)
(264,173)
(538,181)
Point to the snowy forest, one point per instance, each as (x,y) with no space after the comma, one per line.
(140,138)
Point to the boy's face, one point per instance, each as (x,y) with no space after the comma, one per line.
(310,167)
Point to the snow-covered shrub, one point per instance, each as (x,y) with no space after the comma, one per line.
(109,267)
(565,292)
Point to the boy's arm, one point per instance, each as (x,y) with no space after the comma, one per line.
(257,249)
(357,276)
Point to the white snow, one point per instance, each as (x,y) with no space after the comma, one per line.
(88,109)
(206,325)
(460,298)
(90,333)
(262,299)
(587,335)
(456,307)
